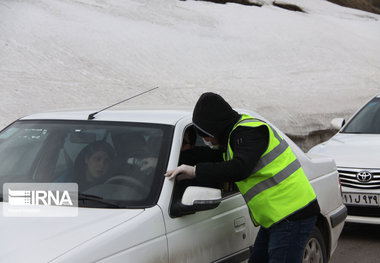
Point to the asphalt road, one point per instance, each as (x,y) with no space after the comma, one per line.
(358,243)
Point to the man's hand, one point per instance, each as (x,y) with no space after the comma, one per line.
(181,172)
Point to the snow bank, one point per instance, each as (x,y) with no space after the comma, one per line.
(297,69)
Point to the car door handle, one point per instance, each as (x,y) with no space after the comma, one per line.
(239,222)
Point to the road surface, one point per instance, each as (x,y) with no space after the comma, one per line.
(358,243)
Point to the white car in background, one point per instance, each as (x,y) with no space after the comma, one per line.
(356,150)
(136,214)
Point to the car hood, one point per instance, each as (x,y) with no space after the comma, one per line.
(41,239)
(352,150)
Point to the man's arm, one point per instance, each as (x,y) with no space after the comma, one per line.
(248,144)
(200,154)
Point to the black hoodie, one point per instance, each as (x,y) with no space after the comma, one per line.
(214,117)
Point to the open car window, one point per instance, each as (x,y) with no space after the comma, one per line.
(193,151)
(122,162)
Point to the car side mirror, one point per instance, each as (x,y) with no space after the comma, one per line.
(337,123)
(195,199)
(198,195)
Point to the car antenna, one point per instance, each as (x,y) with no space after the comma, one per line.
(92,115)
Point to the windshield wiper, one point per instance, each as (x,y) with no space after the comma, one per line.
(98,199)
(87,197)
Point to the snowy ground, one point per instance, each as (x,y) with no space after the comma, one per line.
(297,69)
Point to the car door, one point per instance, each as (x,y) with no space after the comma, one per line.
(223,234)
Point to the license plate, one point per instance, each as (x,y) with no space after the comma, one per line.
(361,199)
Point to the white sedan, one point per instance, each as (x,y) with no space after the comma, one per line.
(356,150)
(127,211)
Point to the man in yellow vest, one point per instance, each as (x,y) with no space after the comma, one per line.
(267,173)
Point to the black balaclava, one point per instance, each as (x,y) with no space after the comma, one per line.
(214,117)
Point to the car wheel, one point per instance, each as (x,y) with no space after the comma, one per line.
(315,250)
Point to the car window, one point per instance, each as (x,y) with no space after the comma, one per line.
(193,151)
(123,162)
(20,146)
(367,120)
(216,156)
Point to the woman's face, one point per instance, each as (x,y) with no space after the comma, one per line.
(97,165)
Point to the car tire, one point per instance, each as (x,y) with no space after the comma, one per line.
(315,250)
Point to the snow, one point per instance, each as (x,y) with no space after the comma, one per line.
(299,70)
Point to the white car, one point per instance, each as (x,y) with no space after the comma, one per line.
(136,214)
(356,150)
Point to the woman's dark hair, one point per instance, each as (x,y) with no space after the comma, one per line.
(98,146)
(87,152)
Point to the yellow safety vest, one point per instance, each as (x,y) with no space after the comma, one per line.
(277,186)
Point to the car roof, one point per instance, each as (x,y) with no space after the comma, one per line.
(144,115)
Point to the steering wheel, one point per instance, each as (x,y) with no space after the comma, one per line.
(128,181)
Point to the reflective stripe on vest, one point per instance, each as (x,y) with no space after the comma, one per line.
(277,151)
(272,181)
(265,160)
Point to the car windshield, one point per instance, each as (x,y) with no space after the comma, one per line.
(119,164)
(367,120)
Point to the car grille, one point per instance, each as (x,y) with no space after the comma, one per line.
(348,178)
(363,211)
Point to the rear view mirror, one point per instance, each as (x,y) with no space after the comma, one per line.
(82,137)
(337,123)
